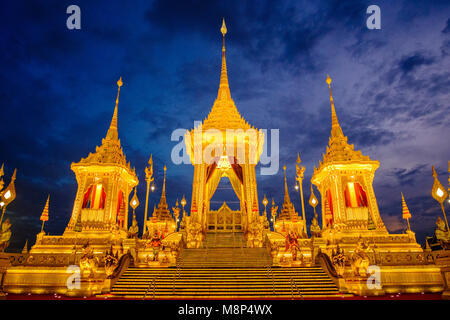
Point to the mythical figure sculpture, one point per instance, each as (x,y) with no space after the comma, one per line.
(293,246)
(255,234)
(338,259)
(155,244)
(360,261)
(5,235)
(111,262)
(134,229)
(442,234)
(88,262)
(315,228)
(194,235)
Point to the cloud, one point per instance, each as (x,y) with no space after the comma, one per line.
(412,62)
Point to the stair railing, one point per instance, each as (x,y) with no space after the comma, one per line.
(176,275)
(270,274)
(294,286)
(151,285)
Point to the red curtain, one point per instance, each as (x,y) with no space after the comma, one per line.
(210,169)
(86,202)
(361,195)
(348,203)
(102,199)
(236,168)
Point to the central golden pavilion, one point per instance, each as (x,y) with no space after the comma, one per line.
(224,253)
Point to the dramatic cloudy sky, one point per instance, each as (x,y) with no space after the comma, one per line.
(58,87)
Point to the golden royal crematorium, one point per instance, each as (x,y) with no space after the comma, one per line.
(198,252)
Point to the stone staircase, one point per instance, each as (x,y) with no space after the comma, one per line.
(224,283)
(223,269)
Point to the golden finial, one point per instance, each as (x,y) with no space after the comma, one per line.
(224,28)
(119,82)
(298,158)
(329,80)
(434,172)
(13,178)
(284,168)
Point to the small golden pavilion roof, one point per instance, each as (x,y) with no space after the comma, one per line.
(338,149)
(288,211)
(224,114)
(162,212)
(110,151)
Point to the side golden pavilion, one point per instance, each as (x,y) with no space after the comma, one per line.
(225,253)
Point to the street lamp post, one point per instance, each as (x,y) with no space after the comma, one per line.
(300,175)
(265,202)
(183,203)
(149,179)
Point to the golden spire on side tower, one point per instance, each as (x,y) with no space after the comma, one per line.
(286,191)
(336,129)
(113,127)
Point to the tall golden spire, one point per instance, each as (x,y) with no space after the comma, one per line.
(336,129)
(112,131)
(224,89)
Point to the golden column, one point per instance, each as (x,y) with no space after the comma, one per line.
(439,193)
(299,178)
(149,178)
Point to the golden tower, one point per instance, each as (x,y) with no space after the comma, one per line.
(344,179)
(224,145)
(161,220)
(105,180)
(288,219)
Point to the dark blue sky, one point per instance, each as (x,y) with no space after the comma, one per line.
(58,87)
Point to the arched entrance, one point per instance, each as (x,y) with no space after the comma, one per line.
(224,219)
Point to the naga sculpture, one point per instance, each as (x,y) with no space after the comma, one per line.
(88,262)
(111,262)
(359,260)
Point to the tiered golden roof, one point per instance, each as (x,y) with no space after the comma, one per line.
(338,149)
(224,114)
(110,151)
(162,212)
(288,211)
